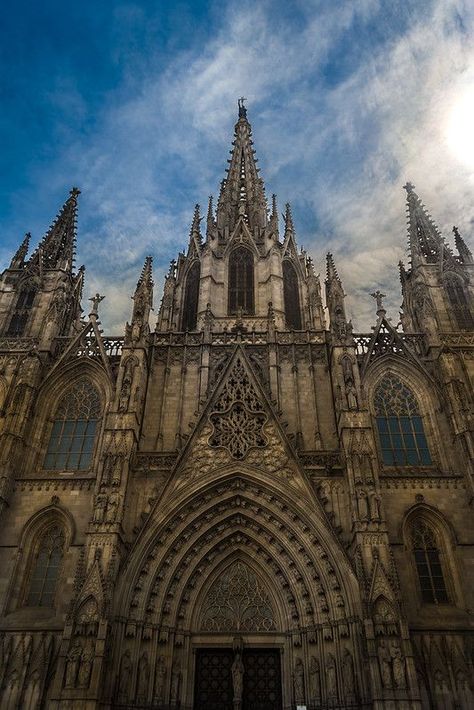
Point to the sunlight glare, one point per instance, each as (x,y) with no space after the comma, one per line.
(460,130)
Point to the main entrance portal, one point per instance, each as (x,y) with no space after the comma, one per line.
(215,686)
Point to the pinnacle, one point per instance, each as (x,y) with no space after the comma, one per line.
(288,217)
(463,250)
(146,276)
(20,254)
(331,271)
(58,245)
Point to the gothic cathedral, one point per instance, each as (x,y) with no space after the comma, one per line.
(252,507)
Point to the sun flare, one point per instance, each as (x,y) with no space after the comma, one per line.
(460,130)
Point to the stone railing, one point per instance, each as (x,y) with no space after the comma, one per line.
(9,344)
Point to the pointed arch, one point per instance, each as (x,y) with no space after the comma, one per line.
(431,545)
(459,301)
(23,307)
(74,429)
(241,282)
(291,296)
(399,424)
(191,297)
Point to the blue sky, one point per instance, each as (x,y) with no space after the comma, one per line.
(135,104)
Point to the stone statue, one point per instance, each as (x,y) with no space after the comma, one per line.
(95,303)
(85,669)
(331,678)
(160,680)
(385,665)
(298,682)
(72,666)
(374,506)
(112,508)
(398,665)
(348,675)
(143,679)
(237,671)
(99,508)
(314,680)
(175,682)
(124,678)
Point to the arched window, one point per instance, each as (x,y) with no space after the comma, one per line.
(23,307)
(428,563)
(71,443)
(45,568)
(191,297)
(459,303)
(241,295)
(399,424)
(291,296)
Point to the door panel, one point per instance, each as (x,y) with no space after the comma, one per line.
(262,679)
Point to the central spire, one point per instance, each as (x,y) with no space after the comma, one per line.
(242,192)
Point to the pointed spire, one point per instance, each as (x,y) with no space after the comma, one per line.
(57,247)
(274,218)
(146,276)
(425,241)
(335,302)
(331,271)
(19,258)
(289,226)
(142,304)
(464,252)
(242,192)
(195,238)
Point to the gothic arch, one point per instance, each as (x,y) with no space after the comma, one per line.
(241,281)
(424,390)
(191,296)
(457,292)
(34,529)
(445,537)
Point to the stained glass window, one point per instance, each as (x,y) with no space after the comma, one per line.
(400,426)
(428,564)
(191,297)
(459,303)
(241,286)
(291,296)
(22,311)
(71,443)
(46,567)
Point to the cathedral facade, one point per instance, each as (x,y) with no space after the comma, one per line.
(252,505)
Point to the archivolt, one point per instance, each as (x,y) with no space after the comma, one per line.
(242,519)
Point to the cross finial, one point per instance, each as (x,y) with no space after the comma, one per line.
(409,187)
(242,108)
(378,295)
(95,303)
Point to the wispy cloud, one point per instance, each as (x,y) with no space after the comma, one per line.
(347,101)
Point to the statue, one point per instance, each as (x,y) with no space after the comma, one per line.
(143,679)
(124,678)
(348,674)
(95,303)
(99,508)
(385,665)
(160,679)
(112,507)
(331,679)
(374,506)
(237,670)
(85,669)
(298,682)
(314,680)
(175,682)
(398,665)
(362,504)
(72,666)
(378,295)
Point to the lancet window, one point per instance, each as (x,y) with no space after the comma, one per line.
(428,564)
(72,438)
(400,425)
(241,282)
(459,303)
(291,296)
(191,297)
(45,568)
(22,311)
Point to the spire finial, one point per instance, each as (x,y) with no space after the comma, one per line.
(19,258)
(242,108)
(409,187)
(463,250)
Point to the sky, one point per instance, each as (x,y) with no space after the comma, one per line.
(135,103)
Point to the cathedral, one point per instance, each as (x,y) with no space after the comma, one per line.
(249,505)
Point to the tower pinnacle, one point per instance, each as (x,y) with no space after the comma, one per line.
(58,245)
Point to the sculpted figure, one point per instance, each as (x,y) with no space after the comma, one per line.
(72,666)
(362,505)
(99,508)
(385,665)
(160,680)
(85,668)
(314,679)
(398,665)
(348,674)
(374,506)
(298,682)
(237,671)
(331,678)
(112,506)
(124,678)
(175,682)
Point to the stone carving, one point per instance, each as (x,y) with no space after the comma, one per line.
(100,508)
(73,660)
(398,665)
(160,679)
(331,677)
(298,682)
(126,388)
(175,682)
(237,602)
(314,680)
(348,675)
(124,678)
(238,416)
(385,664)
(143,679)
(237,671)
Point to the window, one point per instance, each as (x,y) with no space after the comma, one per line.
(72,437)
(459,303)
(241,296)
(22,311)
(191,297)
(46,567)
(399,424)
(428,564)
(291,296)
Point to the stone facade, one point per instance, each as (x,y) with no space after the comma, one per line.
(251,486)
